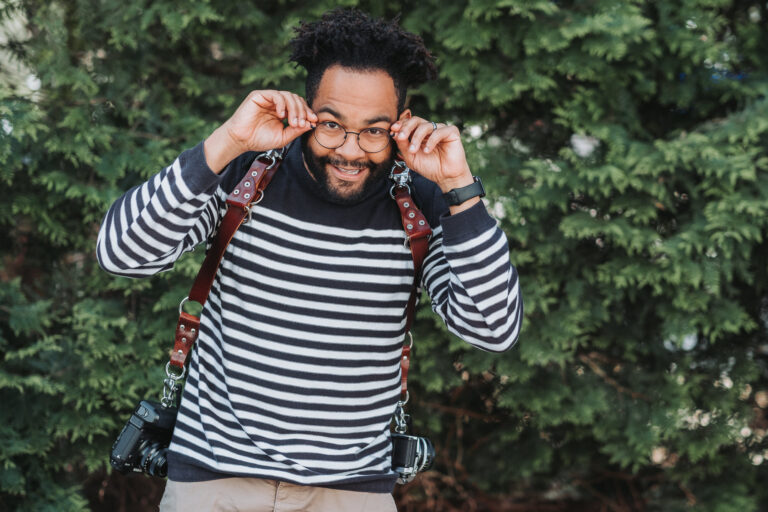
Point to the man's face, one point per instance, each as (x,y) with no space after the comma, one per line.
(355,100)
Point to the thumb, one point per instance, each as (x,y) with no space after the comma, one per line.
(402,148)
(405,155)
(292,132)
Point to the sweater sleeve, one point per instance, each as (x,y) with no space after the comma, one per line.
(150,226)
(472,284)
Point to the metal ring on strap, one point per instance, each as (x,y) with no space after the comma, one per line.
(274,155)
(181,304)
(393,187)
(174,376)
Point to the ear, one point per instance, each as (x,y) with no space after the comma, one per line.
(405,114)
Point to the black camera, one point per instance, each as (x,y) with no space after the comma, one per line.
(410,455)
(142,445)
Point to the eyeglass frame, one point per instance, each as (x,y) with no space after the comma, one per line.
(347,132)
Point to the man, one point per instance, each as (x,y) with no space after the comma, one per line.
(295,375)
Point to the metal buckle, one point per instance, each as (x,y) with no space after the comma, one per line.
(274,155)
(171,385)
(401,177)
(401,424)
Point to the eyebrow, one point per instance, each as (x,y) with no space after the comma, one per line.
(331,111)
(373,120)
(378,119)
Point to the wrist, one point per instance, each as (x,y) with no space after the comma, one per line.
(220,149)
(462,198)
(462,180)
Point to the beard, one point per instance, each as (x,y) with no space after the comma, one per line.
(344,194)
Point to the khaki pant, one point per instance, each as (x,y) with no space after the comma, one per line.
(257,495)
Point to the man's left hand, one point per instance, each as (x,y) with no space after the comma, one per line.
(434,150)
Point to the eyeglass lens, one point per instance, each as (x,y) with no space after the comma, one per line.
(333,135)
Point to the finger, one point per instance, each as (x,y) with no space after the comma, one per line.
(270,100)
(422,130)
(404,134)
(442,133)
(401,140)
(406,128)
(310,114)
(398,125)
(292,108)
(300,119)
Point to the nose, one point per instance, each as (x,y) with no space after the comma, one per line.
(350,150)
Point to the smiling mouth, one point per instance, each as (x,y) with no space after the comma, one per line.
(352,173)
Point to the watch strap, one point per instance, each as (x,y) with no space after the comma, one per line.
(459,195)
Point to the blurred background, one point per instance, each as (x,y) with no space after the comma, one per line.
(624,146)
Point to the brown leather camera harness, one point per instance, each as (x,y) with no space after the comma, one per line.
(247,194)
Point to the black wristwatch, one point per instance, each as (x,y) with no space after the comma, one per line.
(459,195)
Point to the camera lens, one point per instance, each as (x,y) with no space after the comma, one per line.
(425,455)
(154,460)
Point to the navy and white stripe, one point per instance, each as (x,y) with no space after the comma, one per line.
(296,372)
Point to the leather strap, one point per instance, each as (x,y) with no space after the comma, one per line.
(248,192)
(405,364)
(187,329)
(418,232)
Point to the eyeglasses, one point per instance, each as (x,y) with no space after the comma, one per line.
(332,135)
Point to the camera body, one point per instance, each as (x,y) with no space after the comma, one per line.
(142,445)
(411,455)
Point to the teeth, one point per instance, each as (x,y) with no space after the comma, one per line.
(351,172)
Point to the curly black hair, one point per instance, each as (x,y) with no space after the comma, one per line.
(355,40)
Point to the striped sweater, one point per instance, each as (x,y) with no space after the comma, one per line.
(295,374)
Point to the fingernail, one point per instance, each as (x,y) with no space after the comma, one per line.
(295,120)
(302,123)
(426,149)
(401,136)
(412,148)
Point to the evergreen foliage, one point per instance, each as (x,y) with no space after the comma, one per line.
(625,149)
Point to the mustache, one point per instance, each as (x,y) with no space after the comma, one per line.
(360,164)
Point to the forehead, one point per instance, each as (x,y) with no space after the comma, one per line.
(357,95)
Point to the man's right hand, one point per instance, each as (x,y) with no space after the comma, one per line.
(257,125)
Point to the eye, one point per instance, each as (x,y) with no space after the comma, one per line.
(331,125)
(376,132)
